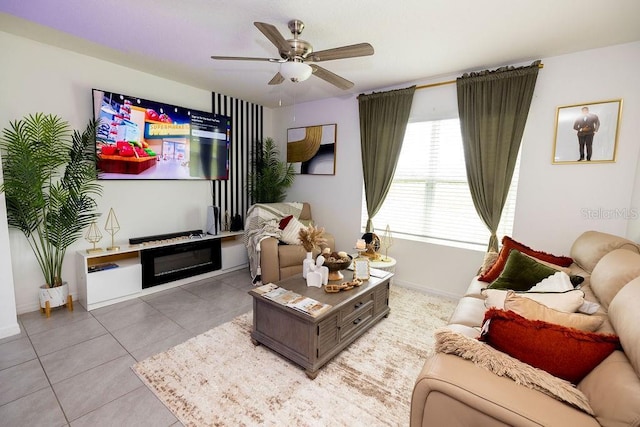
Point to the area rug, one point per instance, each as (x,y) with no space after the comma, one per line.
(220,378)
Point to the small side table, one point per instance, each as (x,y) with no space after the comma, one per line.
(388,265)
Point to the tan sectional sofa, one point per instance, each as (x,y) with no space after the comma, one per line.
(452,391)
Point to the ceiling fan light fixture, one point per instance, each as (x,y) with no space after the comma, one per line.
(295,71)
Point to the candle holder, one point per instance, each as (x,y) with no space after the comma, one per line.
(93,236)
(112,226)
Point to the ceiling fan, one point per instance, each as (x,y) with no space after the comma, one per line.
(295,53)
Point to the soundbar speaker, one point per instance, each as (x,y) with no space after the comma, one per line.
(213,220)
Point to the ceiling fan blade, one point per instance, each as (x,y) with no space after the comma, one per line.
(330,77)
(246,58)
(352,51)
(273,35)
(277,79)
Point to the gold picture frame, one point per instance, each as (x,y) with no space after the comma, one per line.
(587,133)
(361,269)
(312,149)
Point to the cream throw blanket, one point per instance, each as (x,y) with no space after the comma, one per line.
(501,364)
(263,222)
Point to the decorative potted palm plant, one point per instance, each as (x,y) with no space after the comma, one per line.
(49,180)
(270,177)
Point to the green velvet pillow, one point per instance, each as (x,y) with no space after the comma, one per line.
(521,273)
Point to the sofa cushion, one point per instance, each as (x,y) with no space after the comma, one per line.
(520,273)
(625,318)
(566,353)
(612,272)
(533,310)
(613,390)
(507,245)
(468,312)
(566,301)
(591,246)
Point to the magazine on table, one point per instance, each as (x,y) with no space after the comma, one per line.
(281,295)
(261,290)
(309,306)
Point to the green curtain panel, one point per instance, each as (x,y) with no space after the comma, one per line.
(383,122)
(493,108)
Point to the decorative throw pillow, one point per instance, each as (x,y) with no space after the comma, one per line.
(567,301)
(284,221)
(520,273)
(291,231)
(533,310)
(507,244)
(566,353)
(490,258)
(557,282)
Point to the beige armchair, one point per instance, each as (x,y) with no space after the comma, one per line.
(279,261)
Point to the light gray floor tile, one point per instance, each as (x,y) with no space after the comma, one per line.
(214,320)
(96,387)
(38,409)
(159,294)
(56,339)
(176,300)
(15,352)
(161,345)
(240,279)
(35,322)
(89,366)
(154,328)
(21,380)
(138,408)
(117,306)
(125,315)
(81,357)
(215,291)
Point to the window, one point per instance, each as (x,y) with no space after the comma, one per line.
(429,195)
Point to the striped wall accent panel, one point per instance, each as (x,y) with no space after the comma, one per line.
(246,134)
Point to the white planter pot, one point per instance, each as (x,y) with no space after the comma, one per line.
(54,297)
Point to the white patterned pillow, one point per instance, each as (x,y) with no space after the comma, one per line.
(567,301)
(290,232)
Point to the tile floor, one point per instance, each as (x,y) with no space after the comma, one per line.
(74,368)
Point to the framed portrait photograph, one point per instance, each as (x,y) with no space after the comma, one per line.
(587,133)
(312,149)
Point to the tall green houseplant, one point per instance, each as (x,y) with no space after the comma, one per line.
(49,175)
(270,177)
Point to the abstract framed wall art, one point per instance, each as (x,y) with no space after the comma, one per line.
(312,149)
(587,133)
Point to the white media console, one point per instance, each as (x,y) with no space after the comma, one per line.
(99,286)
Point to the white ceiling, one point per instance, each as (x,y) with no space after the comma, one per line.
(413,39)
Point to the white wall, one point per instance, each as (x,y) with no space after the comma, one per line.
(551,198)
(8,321)
(39,77)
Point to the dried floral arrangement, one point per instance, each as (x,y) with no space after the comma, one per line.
(311,237)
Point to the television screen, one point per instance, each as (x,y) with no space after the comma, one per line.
(142,139)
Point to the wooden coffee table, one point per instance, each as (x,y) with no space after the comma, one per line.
(312,341)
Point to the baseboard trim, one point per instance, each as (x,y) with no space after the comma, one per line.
(10,330)
(426,289)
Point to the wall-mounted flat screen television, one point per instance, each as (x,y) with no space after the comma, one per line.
(142,139)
